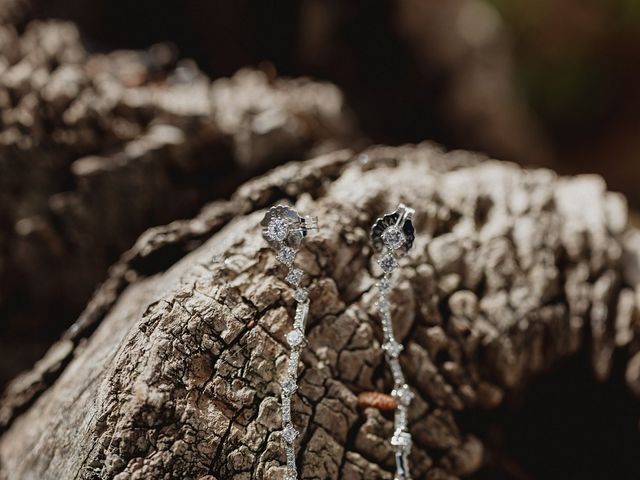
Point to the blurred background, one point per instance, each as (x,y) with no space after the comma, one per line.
(117,116)
(566,71)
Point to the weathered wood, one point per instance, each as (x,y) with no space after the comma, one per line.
(172,370)
(94,149)
(82,134)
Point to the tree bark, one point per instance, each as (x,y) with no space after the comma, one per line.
(172,370)
(94,149)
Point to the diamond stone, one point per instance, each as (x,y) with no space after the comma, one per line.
(403,395)
(278,229)
(393,237)
(289,434)
(286,255)
(289,386)
(294,276)
(294,338)
(384,285)
(301,295)
(393,348)
(388,263)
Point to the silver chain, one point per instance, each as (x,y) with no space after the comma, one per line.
(295,339)
(284,229)
(401,440)
(390,235)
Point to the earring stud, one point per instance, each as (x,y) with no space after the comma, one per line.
(392,236)
(283,229)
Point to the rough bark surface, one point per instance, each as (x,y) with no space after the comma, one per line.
(172,371)
(81,133)
(94,149)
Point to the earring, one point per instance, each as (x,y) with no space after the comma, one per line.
(284,230)
(392,236)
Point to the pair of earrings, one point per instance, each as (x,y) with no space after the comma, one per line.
(392,236)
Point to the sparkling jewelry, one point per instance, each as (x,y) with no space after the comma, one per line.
(284,230)
(392,236)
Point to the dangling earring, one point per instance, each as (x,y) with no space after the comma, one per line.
(392,236)
(284,230)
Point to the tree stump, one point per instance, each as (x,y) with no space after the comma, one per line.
(172,371)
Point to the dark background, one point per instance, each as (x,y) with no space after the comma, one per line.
(576,64)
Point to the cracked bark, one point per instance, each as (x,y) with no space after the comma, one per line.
(82,134)
(172,370)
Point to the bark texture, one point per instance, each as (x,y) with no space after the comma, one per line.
(94,149)
(81,134)
(172,371)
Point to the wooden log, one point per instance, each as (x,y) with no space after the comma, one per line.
(172,371)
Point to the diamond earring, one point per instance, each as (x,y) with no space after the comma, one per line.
(284,230)
(392,236)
